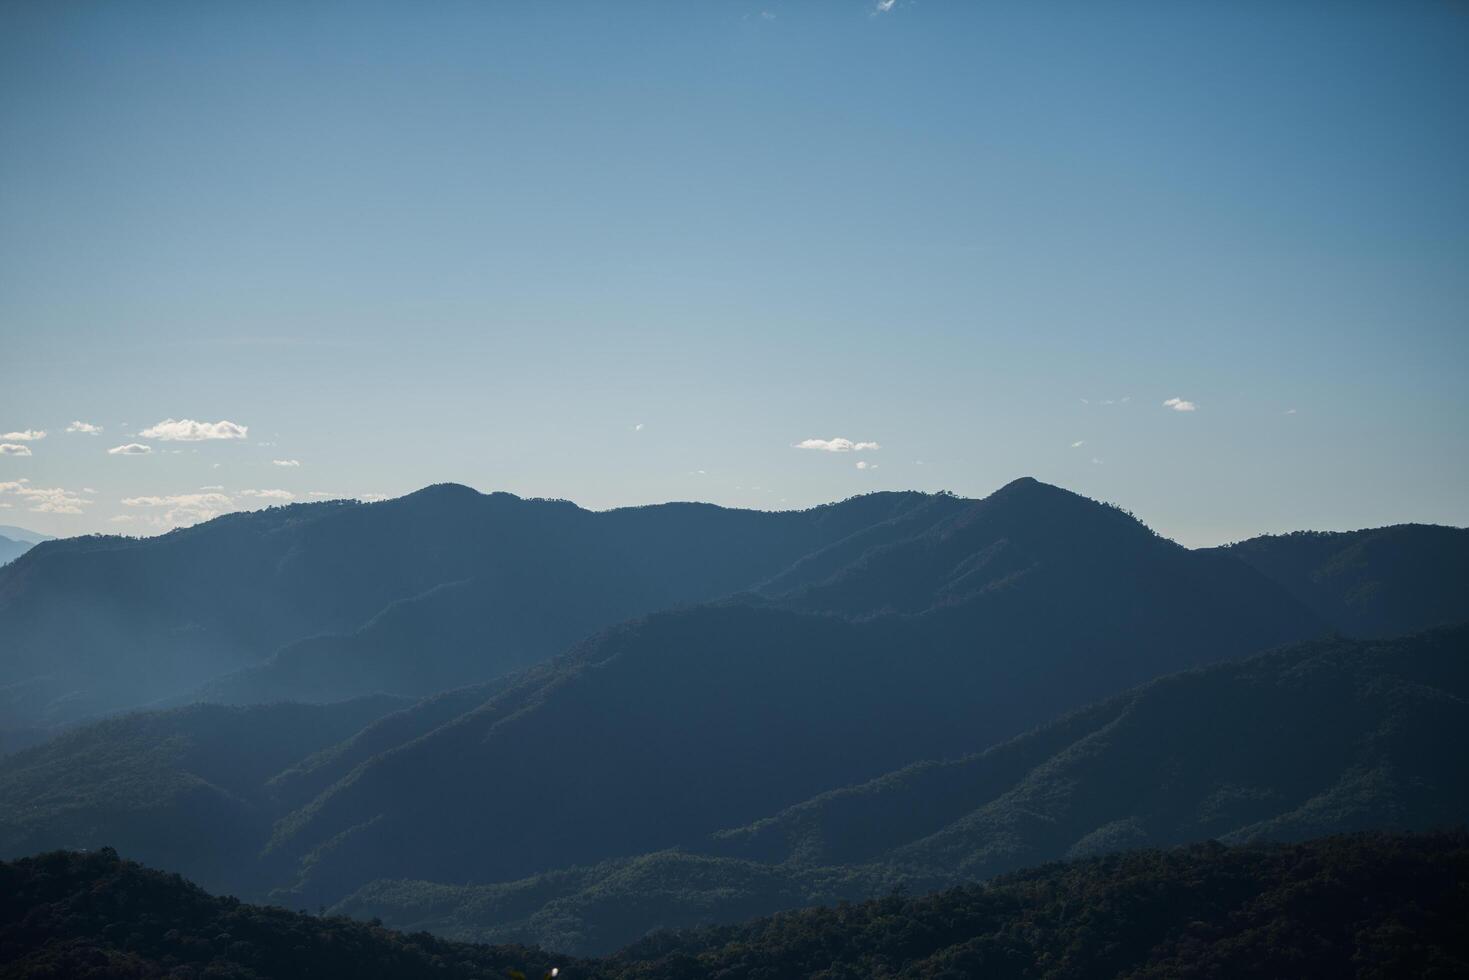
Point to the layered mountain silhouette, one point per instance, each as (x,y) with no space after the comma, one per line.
(519,720)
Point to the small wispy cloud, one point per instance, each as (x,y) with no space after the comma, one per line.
(862,464)
(187,430)
(883,6)
(269,494)
(318,494)
(14,449)
(837,445)
(285,462)
(215,487)
(86,428)
(1096,462)
(1078,444)
(25,435)
(638,427)
(131,449)
(1290,411)
(1180,405)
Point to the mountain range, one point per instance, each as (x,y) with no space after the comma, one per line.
(521,721)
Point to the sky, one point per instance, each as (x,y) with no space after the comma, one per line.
(1208,261)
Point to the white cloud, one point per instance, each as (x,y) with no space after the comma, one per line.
(1078,444)
(88,490)
(122,518)
(131,449)
(183,508)
(638,427)
(883,6)
(862,464)
(1290,411)
(837,445)
(14,449)
(269,494)
(46,500)
(285,462)
(215,488)
(319,493)
(84,427)
(1180,405)
(187,430)
(371,498)
(25,435)
(1096,462)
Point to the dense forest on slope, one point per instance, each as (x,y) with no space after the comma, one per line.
(1327,737)
(1371,906)
(1376,582)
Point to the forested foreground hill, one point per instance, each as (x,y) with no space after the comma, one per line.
(1368,906)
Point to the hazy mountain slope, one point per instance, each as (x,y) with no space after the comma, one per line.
(184,788)
(1369,906)
(441,588)
(11,549)
(1376,582)
(665,729)
(1323,738)
(22,534)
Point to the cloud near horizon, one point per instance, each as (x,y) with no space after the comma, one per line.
(46,500)
(269,494)
(285,462)
(1180,405)
(837,445)
(184,508)
(131,449)
(14,449)
(84,427)
(187,430)
(25,435)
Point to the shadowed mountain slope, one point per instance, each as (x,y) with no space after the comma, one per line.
(1323,738)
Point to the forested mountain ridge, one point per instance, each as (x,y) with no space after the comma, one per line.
(1366,906)
(1374,582)
(1326,737)
(461,586)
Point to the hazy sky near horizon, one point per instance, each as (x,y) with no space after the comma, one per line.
(1209,261)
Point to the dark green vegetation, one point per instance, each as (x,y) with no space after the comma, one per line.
(1327,737)
(1367,906)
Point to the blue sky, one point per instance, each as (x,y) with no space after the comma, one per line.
(634,252)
